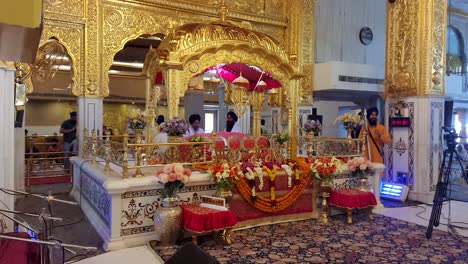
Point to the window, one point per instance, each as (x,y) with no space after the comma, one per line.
(209,122)
(455,52)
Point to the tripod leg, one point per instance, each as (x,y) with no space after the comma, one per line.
(441,188)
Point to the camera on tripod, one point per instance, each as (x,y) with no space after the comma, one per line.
(450,135)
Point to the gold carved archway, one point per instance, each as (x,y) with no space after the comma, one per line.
(191,48)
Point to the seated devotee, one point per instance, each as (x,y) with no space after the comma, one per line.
(54,148)
(160,137)
(231,123)
(462,152)
(263,128)
(160,120)
(194,128)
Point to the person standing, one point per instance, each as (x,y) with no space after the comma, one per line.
(377,136)
(231,123)
(68,129)
(194,128)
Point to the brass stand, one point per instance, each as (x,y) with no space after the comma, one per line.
(325,216)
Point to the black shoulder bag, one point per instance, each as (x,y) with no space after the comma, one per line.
(375,144)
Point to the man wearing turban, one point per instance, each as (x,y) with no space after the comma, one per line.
(377,136)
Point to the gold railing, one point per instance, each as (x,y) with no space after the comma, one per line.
(41,164)
(316,146)
(137,155)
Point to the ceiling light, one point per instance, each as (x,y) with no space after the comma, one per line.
(198,87)
(213,80)
(128,64)
(273,91)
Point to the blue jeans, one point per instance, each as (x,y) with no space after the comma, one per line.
(68,149)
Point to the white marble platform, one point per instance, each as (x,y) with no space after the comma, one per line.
(122,210)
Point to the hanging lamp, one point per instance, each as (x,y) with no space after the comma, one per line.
(261,85)
(241,82)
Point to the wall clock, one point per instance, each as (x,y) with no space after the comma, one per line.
(366,35)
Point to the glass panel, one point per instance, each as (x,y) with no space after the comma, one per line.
(209,122)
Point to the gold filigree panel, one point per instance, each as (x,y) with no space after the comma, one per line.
(415,50)
(401,65)
(70,10)
(93,52)
(71,37)
(193,37)
(121,24)
(437,86)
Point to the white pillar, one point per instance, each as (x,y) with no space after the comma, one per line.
(417,150)
(7,136)
(90,112)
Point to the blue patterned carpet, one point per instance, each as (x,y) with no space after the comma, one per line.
(384,240)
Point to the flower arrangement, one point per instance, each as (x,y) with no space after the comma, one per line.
(174,177)
(350,121)
(281,138)
(324,168)
(225,175)
(136,120)
(174,127)
(359,167)
(312,126)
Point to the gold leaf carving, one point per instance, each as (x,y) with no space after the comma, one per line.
(415,48)
(71,37)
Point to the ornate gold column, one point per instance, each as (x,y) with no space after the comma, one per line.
(415,74)
(173,87)
(292,116)
(257,103)
(415,50)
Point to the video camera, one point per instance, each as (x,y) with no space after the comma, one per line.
(450,135)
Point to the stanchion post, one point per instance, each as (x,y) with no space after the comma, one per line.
(125,156)
(85,144)
(94,146)
(108,152)
(138,173)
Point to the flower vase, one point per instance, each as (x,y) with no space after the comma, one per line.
(363,184)
(325,190)
(224,193)
(350,133)
(168,221)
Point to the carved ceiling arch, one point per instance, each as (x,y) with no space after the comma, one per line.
(71,40)
(197,63)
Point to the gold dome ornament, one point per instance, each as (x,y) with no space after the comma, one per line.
(273,91)
(261,85)
(241,82)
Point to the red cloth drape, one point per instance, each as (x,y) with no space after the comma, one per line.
(18,252)
(351,198)
(201,219)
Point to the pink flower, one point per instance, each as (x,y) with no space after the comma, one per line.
(179,176)
(361,160)
(352,168)
(363,167)
(168,168)
(164,177)
(178,168)
(187,172)
(185,179)
(355,163)
(158,172)
(172,177)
